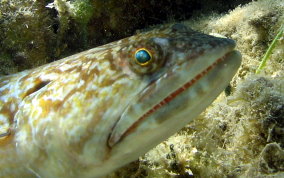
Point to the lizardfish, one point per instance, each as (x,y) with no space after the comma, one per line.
(88,114)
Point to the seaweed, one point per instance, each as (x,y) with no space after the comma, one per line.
(270,49)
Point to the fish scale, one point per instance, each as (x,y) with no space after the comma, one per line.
(88,114)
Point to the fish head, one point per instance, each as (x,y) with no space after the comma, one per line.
(187,71)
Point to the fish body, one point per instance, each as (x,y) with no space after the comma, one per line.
(91,113)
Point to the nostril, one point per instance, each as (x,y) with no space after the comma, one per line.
(36,87)
(179,28)
(4,134)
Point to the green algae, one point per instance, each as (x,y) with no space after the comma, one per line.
(24,34)
(82,11)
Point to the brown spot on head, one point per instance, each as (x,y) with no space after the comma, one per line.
(111,59)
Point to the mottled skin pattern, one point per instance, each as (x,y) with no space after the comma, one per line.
(93,112)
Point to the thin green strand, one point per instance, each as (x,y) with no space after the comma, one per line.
(270,49)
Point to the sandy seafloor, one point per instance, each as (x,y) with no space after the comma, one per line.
(242,133)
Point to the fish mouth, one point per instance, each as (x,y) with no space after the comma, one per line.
(183,88)
(117,135)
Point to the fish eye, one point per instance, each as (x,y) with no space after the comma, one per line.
(143,57)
